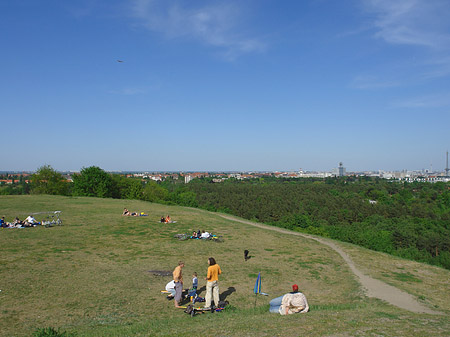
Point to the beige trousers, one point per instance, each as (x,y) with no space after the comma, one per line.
(212,290)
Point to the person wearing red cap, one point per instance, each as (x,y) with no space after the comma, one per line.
(290,303)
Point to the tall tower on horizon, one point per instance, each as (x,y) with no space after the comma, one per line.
(341,170)
(446,167)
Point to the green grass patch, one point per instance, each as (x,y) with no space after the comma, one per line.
(387,315)
(336,307)
(403,277)
(90,277)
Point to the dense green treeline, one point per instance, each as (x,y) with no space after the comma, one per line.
(95,182)
(411,220)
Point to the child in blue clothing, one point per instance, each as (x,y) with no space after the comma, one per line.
(194,281)
(193,291)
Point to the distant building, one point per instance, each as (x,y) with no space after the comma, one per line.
(187,179)
(339,171)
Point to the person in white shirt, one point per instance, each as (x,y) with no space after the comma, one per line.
(30,219)
(170,287)
(290,303)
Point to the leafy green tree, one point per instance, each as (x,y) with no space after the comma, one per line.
(6,190)
(93,182)
(134,189)
(154,193)
(119,186)
(187,199)
(47,181)
(126,188)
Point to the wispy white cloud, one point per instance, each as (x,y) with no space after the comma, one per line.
(439,66)
(420,23)
(412,22)
(440,100)
(216,24)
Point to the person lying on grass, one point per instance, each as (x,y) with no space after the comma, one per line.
(128,213)
(290,303)
(17,223)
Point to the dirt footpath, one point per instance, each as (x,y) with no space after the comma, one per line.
(372,287)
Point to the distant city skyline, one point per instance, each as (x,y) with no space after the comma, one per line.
(431,168)
(339,170)
(225,85)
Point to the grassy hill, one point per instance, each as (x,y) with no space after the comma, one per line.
(91,276)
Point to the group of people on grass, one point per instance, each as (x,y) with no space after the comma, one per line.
(290,303)
(163,219)
(201,235)
(175,287)
(166,219)
(30,221)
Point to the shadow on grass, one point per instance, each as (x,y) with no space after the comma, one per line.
(223,296)
(227,292)
(200,290)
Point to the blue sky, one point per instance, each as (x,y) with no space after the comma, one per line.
(225,85)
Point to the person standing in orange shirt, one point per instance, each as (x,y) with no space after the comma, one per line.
(212,284)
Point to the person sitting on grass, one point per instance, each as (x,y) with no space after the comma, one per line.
(162,219)
(168,219)
(30,221)
(170,287)
(290,303)
(205,235)
(194,235)
(17,223)
(6,224)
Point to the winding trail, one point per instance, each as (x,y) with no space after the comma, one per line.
(372,287)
